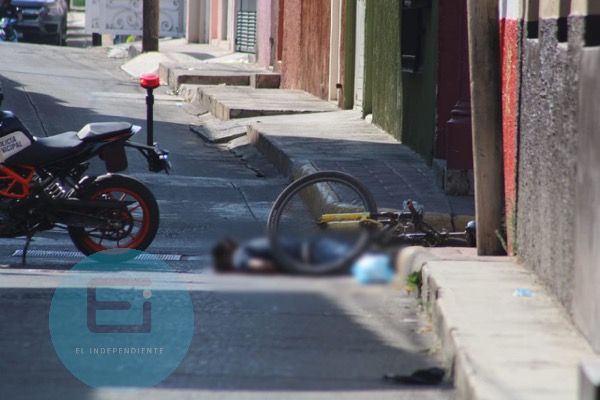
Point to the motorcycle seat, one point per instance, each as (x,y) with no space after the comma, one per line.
(46,150)
(99,131)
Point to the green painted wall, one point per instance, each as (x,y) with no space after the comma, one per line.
(349,53)
(420,92)
(403,104)
(383,81)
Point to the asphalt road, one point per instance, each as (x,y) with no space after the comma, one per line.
(255,337)
(210,193)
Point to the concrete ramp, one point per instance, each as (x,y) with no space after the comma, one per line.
(211,73)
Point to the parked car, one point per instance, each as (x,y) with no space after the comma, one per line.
(44,20)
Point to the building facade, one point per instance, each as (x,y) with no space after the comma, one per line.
(550,58)
(406,63)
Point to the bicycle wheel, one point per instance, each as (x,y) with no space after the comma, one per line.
(299,243)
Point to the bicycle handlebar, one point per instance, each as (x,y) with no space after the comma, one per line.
(412,208)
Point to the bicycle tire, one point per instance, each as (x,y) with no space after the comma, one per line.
(292,222)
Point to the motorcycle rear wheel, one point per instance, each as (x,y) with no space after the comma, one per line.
(133,229)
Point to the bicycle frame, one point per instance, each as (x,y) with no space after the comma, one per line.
(391,225)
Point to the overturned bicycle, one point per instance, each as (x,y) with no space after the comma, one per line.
(323,222)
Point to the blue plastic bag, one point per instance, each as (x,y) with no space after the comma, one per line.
(373,268)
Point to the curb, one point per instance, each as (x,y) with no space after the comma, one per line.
(496,344)
(268,146)
(296,169)
(410,260)
(435,294)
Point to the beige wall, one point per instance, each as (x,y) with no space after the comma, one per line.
(549,8)
(585,7)
(197,15)
(554,8)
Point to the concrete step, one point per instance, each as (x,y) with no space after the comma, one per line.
(177,74)
(214,130)
(231,102)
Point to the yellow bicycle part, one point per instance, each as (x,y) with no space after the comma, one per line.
(348,220)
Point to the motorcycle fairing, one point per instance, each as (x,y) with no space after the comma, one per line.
(47,150)
(12,144)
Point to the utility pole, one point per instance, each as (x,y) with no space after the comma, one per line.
(486,111)
(150,29)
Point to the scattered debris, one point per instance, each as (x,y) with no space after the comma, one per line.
(428,376)
(523,293)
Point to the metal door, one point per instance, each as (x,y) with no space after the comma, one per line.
(245,27)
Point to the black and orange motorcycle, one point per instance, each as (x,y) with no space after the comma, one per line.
(44,185)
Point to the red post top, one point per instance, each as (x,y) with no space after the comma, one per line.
(149,81)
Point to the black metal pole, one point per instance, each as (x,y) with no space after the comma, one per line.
(150,117)
(96,39)
(150,27)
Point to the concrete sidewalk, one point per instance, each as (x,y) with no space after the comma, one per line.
(501,342)
(343,141)
(502,333)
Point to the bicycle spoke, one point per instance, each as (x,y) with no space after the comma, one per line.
(294,221)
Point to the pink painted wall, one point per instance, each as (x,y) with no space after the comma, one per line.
(290,41)
(305,58)
(220,17)
(214,19)
(509,58)
(264,20)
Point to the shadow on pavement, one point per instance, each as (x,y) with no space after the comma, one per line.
(263,341)
(253,341)
(221,201)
